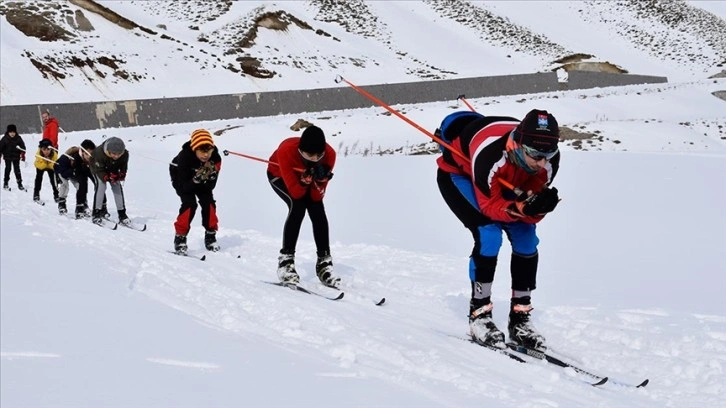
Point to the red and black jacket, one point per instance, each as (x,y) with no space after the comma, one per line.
(287,163)
(487,145)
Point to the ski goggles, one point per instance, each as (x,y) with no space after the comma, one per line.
(537,155)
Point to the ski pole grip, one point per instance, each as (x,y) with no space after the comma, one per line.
(226,152)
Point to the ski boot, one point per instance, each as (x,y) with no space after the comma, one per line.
(123,219)
(62,210)
(483,330)
(5,186)
(82,211)
(20,186)
(180,244)
(521,330)
(210,240)
(104,212)
(324,270)
(286,269)
(36,198)
(97,217)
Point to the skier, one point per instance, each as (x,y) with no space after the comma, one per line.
(299,172)
(12,149)
(45,159)
(194,172)
(50,128)
(502,185)
(73,168)
(109,163)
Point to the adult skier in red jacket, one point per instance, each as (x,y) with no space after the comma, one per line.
(501,184)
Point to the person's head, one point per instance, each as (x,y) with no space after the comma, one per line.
(45,116)
(537,134)
(87,147)
(312,144)
(114,147)
(202,144)
(11,131)
(45,147)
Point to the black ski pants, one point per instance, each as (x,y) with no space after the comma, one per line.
(15,163)
(295,215)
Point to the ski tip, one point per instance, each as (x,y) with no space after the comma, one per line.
(340,296)
(601,382)
(381,302)
(643,384)
(204,257)
(115,226)
(143,228)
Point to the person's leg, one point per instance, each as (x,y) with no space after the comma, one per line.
(209,219)
(523,268)
(458,193)
(38,184)
(53,184)
(183,221)
(296,212)
(6,175)
(63,187)
(118,196)
(324,263)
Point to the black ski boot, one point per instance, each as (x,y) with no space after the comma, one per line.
(324,270)
(82,211)
(521,330)
(123,218)
(104,212)
(210,240)
(20,186)
(97,217)
(180,244)
(62,210)
(286,269)
(482,328)
(6,186)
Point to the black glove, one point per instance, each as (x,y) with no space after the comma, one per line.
(321,173)
(306,177)
(543,202)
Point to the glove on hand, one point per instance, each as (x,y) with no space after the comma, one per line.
(321,173)
(306,177)
(121,176)
(543,202)
(22,156)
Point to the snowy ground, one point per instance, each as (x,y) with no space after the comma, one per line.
(630,281)
(630,278)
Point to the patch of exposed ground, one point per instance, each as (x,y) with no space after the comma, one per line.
(665,29)
(193,12)
(575,63)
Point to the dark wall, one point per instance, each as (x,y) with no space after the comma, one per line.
(100,115)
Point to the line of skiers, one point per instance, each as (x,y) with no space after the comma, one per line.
(494,174)
(74,167)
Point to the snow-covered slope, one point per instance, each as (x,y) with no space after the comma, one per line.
(631,267)
(54,51)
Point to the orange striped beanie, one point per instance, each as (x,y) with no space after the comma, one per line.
(201,137)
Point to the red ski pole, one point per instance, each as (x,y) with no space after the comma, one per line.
(402,117)
(247,156)
(463,99)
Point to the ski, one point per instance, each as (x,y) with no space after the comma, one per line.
(135,227)
(106,224)
(39,202)
(549,358)
(201,258)
(304,290)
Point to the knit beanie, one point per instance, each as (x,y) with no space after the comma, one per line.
(114,145)
(312,140)
(538,130)
(201,137)
(11,128)
(88,144)
(45,143)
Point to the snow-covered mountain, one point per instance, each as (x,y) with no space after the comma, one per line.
(59,51)
(632,261)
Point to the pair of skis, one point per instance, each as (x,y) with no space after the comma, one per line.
(377,302)
(520,354)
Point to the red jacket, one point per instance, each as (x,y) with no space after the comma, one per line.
(486,144)
(50,131)
(289,165)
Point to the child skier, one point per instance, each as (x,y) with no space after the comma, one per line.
(45,159)
(12,149)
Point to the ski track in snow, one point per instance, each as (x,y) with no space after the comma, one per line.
(225,292)
(12,355)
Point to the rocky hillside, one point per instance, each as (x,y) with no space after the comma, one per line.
(260,45)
